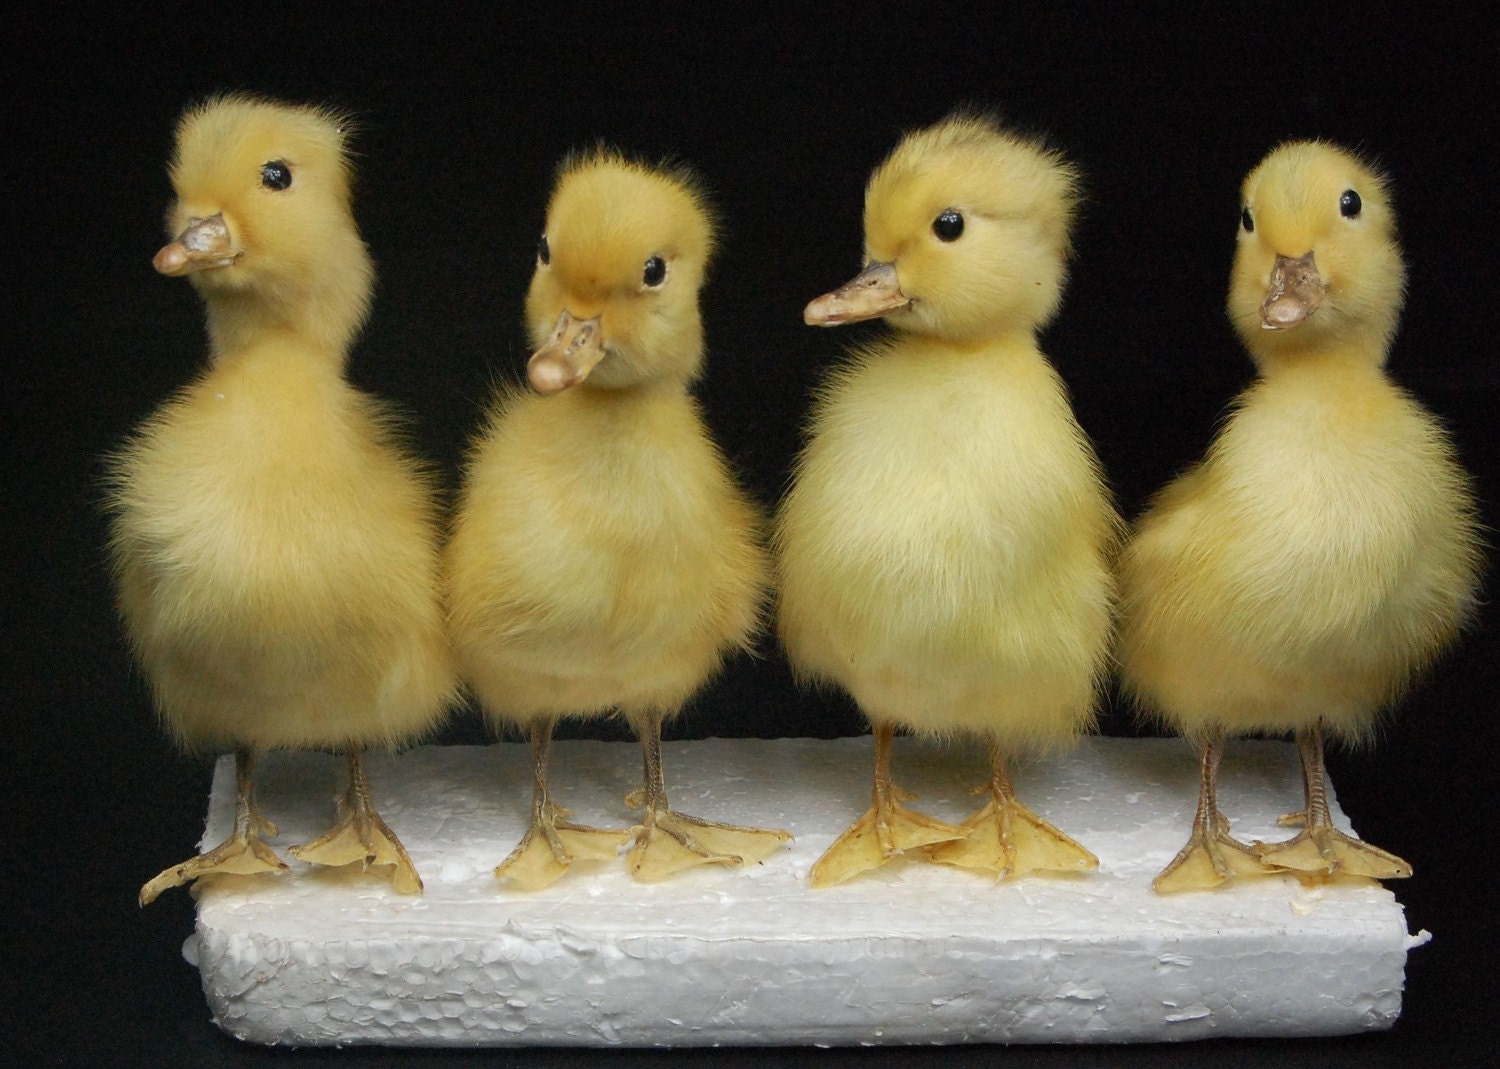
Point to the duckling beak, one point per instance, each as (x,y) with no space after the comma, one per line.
(1296,292)
(875,291)
(204,244)
(567,357)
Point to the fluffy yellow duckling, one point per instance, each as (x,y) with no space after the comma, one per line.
(943,550)
(603,559)
(275,549)
(1325,549)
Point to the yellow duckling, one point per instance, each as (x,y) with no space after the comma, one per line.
(603,559)
(1325,549)
(275,549)
(943,550)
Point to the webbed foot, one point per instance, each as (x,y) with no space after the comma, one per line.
(550,846)
(242,854)
(1008,839)
(361,837)
(668,842)
(1324,851)
(884,832)
(1212,857)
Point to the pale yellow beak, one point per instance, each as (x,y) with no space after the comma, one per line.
(874,292)
(1295,293)
(567,357)
(204,245)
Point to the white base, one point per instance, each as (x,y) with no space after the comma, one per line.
(910,953)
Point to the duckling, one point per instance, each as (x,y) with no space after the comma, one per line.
(943,550)
(275,548)
(603,559)
(1325,549)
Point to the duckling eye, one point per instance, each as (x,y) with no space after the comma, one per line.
(656,271)
(276,175)
(1246,221)
(543,250)
(1350,204)
(948,225)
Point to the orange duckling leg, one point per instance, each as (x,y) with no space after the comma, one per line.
(360,836)
(1320,850)
(243,853)
(1006,838)
(552,843)
(886,831)
(667,841)
(1212,856)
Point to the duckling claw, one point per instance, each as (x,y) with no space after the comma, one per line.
(1008,839)
(878,837)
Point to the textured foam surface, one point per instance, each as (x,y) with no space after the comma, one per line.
(911,953)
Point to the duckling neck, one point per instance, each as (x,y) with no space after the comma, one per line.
(1358,357)
(326,317)
(1338,382)
(1001,346)
(607,399)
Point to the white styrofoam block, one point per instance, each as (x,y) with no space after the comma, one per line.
(911,953)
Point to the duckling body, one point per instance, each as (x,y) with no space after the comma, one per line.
(1324,551)
(275,547)
(942,552)
(603,560)
(929,557)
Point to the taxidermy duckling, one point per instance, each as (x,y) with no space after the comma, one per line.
(275,549)
(603,559)
(1325,549)
(943,549)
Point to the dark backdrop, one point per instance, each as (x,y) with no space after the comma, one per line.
(464,117)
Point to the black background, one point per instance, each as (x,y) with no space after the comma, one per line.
(464,116)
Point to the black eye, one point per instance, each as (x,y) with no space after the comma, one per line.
(1247,222)
(276,175)
(656,271)
(543,250)
(948,225)
(1350,204)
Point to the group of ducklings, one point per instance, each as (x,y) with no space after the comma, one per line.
(947,553)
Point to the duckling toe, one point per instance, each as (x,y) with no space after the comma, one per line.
(1009,839)
(1327,852)
(547,851)
(1206,862)
(362,837)
(669,842)
(240,855)
(878,837)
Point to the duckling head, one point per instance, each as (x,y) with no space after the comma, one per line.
(262,223)
(1317,265)
(966,235)
(614,298)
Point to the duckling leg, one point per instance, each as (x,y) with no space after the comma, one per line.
(551,844)
(1212,856)
(243,853)
(1006,838)
(1320,849)
(886,830)
(667,841)
(361,836)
